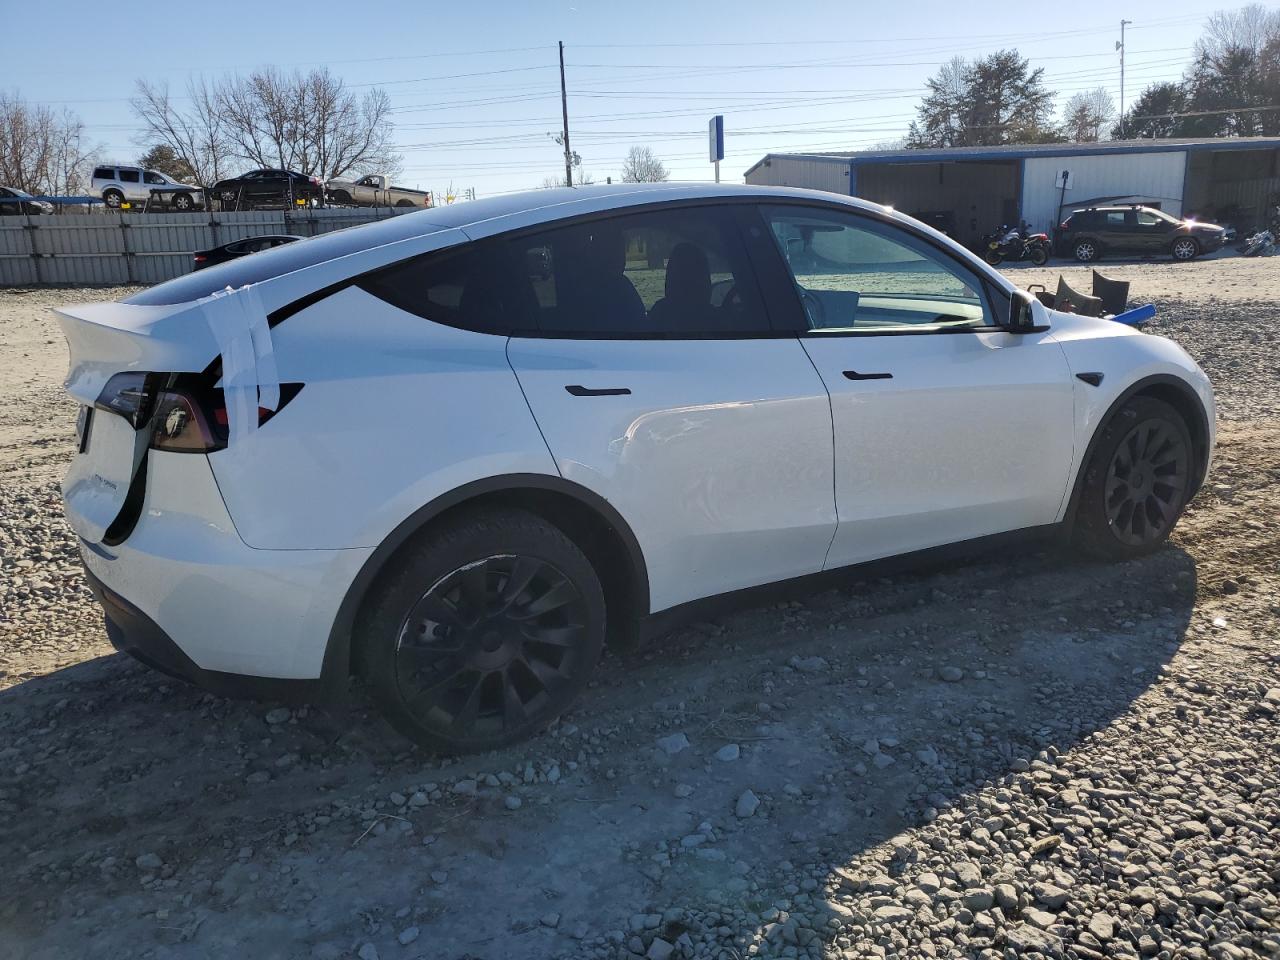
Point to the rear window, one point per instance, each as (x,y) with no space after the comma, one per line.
(286,259)
(104,173)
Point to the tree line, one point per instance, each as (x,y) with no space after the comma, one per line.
(1232,89)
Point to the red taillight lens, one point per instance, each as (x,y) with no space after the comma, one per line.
(181,426)
(199,258)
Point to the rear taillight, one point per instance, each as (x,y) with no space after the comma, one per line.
(129,395)
(183,413)
(199,258)
(182,426)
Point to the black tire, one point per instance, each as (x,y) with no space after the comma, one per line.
(1184,249)
(993,257)
(404,203)
(485,630)
(1137,481)
(1039,256)
(1086,251)
(341,196)
(112,198)
(183,203)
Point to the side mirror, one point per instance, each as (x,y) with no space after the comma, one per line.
(1026,314)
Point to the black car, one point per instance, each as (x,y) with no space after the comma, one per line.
(240,248)
(15,202)
(268,188)
(1090,233)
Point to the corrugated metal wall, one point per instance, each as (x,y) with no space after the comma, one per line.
(829,175)
(116,248)
(1155,175)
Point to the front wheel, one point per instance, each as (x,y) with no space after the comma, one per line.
(1039,256)
(993,257)
(1185,248)
(183,202)
(1137,481)
(486,630)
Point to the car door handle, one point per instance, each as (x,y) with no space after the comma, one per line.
(577,390)
(855,375)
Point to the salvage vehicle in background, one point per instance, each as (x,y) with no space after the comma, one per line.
(15,202)
(375,190)
(1130,228)
(493,435)
(268,187)
(240,248)
(118,185)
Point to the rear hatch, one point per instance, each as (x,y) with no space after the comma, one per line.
(122,356)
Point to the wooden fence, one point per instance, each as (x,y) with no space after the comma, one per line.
(122,248)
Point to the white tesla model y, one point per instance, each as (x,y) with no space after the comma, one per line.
(455,451)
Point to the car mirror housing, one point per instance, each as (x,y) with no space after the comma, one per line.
(1026,314)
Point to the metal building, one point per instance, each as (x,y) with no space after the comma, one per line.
(969,191)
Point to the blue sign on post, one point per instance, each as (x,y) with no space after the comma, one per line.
(716,129)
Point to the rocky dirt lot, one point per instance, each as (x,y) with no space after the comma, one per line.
(1028,755)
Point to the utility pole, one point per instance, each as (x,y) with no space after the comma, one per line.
(1119,46)
(564,111)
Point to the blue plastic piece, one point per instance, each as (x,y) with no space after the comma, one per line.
(1137,316)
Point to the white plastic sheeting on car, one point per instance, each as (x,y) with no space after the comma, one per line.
(250,379)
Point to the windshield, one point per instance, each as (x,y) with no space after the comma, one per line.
(1160,214)
(19,193)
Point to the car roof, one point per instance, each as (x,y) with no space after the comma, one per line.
(342,253)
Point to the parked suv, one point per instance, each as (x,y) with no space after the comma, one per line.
(269,187)
(117,185)
(1096,231)
(478,441)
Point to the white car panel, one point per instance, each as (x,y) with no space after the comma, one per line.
(972,435)
(719,458)
(395,411)
(266,613)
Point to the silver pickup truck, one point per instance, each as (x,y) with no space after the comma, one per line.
(375,191)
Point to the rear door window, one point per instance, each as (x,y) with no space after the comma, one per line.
(128,176)
(675,273)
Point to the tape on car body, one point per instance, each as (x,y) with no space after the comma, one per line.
(250,378)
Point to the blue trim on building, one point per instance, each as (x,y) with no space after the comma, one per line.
(853,180)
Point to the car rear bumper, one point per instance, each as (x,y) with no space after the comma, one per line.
(185,594)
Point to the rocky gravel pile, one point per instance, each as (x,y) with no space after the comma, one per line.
(1025,755)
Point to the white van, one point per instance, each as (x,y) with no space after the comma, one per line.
(117,185)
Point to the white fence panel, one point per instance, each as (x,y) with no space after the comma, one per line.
(119,248)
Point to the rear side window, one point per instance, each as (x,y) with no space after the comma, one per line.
(473,286)
(104,173)
(1113,219)
(679,272)
(129,176)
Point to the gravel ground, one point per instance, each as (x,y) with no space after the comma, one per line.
(1027,755)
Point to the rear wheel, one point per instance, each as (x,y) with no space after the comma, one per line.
(1039,256)
(1086,251)
(1136,482)
(1185,248)
(486,630)
(113,198)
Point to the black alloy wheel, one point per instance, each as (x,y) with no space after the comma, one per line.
(490,645)
(1146,483)
(482,631)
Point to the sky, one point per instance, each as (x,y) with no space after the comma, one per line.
(475,87)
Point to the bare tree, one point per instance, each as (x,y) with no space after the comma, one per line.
(641,166)
(41,151)
(306,122)
(196,134)
(1087,114)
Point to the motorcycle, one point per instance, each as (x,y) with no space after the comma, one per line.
(1014,245)
(1261,244)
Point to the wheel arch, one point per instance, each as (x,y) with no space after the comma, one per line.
(584,516)
(1180,395)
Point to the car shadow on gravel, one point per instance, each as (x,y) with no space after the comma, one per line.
(856,713)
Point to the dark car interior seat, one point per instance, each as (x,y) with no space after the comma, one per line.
(594,292)
(686,305)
